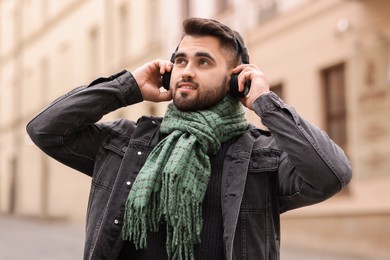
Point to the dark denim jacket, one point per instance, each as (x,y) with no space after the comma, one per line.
(264,174)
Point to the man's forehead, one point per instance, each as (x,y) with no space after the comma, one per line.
(199,41)
(192,45)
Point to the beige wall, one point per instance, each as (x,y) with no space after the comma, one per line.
(294,48)
(46,50)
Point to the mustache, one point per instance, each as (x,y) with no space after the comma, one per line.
(189,80)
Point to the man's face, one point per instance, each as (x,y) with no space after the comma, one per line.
(200,74)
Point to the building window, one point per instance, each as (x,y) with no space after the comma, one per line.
(267,9)
(44,79)
(152,109)
(64,66)
(94,53)
(124,32)
(222,5)
(333,79)
(153,20)
(277,89)
(13,191)
(185,8)
(44,10)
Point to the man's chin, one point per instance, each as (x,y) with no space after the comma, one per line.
(187,104)
(185,107)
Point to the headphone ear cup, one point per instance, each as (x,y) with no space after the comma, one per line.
(233,87)
(166,79)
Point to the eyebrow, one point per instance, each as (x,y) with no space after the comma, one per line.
(197,54)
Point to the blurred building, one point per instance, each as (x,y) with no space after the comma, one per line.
(330,59)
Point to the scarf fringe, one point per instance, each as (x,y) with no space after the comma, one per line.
(183,228)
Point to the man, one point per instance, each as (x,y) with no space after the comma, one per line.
(200,183)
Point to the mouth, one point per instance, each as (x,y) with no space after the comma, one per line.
(187,86)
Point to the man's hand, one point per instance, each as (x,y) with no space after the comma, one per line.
(148,78)
(259,83)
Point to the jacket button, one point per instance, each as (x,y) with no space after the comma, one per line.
(128,183)
(116,222)
(124,149)
(139,152)
(255,165)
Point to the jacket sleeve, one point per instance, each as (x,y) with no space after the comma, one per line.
(312,167)
(67,130)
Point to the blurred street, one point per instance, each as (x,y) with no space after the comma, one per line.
(36,239)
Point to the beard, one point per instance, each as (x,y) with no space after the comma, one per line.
(204,99)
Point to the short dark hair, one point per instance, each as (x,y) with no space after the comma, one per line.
(209,27)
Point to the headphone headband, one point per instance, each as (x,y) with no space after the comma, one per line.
(242,50)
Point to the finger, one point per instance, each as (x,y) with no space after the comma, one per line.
(165,66)
(244,66)
(239,68)
(242,78)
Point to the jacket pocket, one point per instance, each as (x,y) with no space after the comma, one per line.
(109,159)
(262,170)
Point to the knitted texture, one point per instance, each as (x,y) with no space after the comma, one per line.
(171,185)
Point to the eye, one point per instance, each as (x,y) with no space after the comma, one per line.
(204,62)
(180,61)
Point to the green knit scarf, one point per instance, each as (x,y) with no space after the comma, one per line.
(172,183)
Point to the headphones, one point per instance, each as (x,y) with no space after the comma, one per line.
(233,84)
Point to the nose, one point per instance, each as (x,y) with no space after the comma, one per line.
(188,71)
